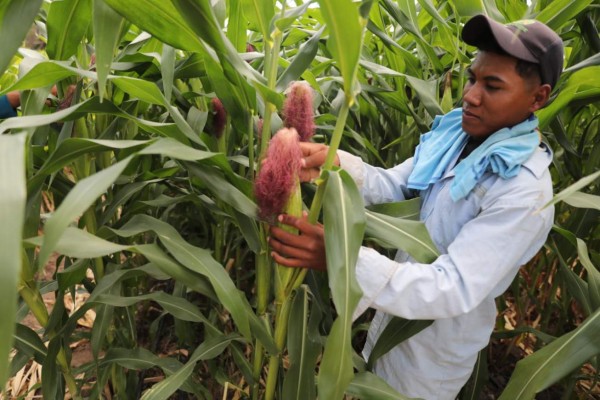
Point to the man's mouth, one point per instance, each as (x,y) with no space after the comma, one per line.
(469,115)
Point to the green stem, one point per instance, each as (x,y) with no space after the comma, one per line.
(336,138)
(251,146)
(281,324)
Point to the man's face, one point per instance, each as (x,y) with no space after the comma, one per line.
(496,96)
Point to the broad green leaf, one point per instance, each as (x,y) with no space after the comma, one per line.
(207,350)
(102,324)
(583,200)
(366,385)
(166,264)
(407,209)
(200,17)
(259,14)
(575,285)
(107,26)
(591,61)
(303,348)
(410,236)
(345,27)
(13,196)
(82,196)
(593,275)
(29,342)
(93,105)
(336,371)
(301,61)
(161,19)
(167,68)
(67,24)
(222,189)
(144,90)
(236,26)
(140,359)
(174,305)
(558,12)
(78,243)
(469,8)
(198,260)
(580,85)
(396,331)
(16,18)
(554,361)
(344,222)
(566,193)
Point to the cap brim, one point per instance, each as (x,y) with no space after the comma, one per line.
(481,30)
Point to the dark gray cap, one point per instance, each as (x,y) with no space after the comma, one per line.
(527,40)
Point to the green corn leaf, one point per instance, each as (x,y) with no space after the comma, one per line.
(344,221)
(566,193)
(303,348)
(166,264)
(107,25)
(67,24)
(93,105)
(102,323)
(407,209)
(174,305)
(40,73)
(82,196)
(198,260)
(29,342)
(78,243)
(200,17)
(16,18)
(167,67)
(583,200)
(236,26)
(345,27)
(396,331)
(336,372)
(13,197)
(140,359)
(366,385)
(398,233)
(580,85)
(139,88)
(593,275)
(554,361)
(559,12)
(260,13)
(161,19)
(301,61)
(224,190)
(207,350)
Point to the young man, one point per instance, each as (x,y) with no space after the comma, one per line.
(482,174)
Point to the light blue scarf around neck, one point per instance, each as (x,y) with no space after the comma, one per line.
(503,153)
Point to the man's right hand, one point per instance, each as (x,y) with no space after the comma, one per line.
(314,155)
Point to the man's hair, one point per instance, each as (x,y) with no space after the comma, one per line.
(527,70)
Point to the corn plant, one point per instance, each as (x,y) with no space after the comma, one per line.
(142,190)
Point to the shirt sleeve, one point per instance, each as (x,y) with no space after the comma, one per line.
(378,185)
(6,110)
(481,262)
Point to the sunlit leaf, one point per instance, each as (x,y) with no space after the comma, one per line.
(12,214)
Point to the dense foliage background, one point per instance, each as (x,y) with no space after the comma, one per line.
(121,206)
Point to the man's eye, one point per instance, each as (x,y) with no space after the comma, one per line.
(492,88)
(471,79)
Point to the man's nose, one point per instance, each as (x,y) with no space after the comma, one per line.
(472,95)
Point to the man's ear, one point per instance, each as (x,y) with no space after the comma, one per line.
(540,97)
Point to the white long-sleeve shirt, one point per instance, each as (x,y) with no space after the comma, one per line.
(483,240)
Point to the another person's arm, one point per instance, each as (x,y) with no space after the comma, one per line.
(9,103)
